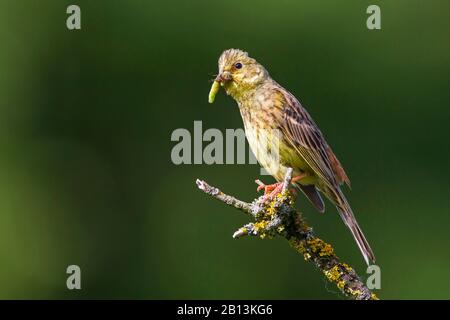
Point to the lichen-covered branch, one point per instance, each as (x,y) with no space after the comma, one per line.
(278,217)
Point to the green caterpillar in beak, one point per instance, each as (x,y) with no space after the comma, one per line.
(214,89)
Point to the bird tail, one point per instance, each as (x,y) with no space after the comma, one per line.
(346,213)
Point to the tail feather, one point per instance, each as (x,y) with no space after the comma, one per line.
(349,219)
(313,195)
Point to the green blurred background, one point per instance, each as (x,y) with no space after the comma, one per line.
(86,117)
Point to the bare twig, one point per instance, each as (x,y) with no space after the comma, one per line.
(219,195)
(278,217)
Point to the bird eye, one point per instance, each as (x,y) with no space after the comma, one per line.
(238,65)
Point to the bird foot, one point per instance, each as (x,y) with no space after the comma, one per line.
(271,190)
(267,188)
(297,178)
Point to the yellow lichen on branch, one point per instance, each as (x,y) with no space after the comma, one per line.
(278,217)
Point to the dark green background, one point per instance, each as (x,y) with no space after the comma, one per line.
(86,118)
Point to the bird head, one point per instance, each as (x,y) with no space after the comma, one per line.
(238,74)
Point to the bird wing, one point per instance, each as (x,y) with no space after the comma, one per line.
(305,136)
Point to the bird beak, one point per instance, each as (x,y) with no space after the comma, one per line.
(223,77)
(220,80)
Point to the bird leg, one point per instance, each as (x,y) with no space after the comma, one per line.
(297,178)
(271,190)
(271,187)
(267,188)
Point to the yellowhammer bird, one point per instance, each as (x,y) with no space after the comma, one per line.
(274,119)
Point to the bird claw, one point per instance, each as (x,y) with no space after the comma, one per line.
(267,188)
(271,190)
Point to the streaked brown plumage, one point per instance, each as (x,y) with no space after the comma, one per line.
(272,116)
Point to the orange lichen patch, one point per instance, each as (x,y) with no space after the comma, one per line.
(321,247)
(312,247)
(327,250)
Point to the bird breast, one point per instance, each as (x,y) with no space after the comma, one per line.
(264,137)
(262,116)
